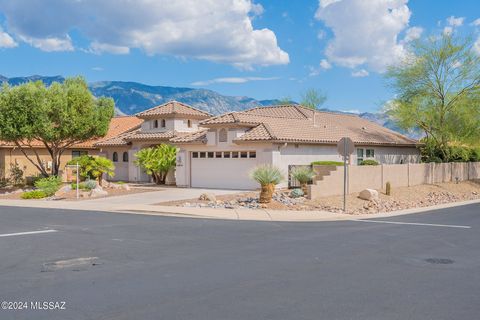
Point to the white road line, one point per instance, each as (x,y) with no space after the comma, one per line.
(415,224)
(26,233)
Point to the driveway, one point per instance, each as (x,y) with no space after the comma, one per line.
(115,266)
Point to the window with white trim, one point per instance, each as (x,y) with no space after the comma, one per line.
(363,154)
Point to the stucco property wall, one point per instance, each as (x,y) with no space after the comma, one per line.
(399,175)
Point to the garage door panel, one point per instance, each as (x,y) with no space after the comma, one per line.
(222,173)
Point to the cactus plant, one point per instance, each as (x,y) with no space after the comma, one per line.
(388,189)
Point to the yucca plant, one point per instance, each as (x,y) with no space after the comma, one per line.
(267,176)
(304,175)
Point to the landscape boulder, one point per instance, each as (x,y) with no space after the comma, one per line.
(63,190)
(368,194)
(98,192)
(208,197)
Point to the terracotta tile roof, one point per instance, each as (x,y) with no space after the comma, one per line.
(292,123)
(193,137)
(141,136)
(173,108)
(116,141)
(118,125)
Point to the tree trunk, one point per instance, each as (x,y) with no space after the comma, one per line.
(304,188)
(266,193)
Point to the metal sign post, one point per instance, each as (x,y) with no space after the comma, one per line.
(77,174)
(345,148)
(77,180)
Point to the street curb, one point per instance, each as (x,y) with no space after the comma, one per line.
(322,216)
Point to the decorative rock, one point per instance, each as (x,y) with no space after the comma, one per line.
(63,190)
(208,197)
(125,187)
(368,194)
(98,192)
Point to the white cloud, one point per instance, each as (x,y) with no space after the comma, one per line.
(447,30)
(231,80)
(324,64)
(476,22)
(214,30)
(6,41)
(97,69)
(50,44)
(99,48)
(360,73)
(355,111)
(455,22)
(413,34)
(365,32)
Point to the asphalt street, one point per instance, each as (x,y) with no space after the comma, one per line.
(121,266)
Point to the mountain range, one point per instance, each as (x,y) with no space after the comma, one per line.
(134,97)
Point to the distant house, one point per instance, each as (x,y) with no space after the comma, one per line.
(11,154)
(219,152)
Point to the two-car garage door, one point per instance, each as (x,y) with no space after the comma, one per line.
(222,169)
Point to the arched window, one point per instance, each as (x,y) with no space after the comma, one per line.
(222,135)
(189,123)
(125,156)
(155,124)
(115,157)
(163,123)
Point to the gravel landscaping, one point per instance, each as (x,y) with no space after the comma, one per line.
(401,198)
(66,193)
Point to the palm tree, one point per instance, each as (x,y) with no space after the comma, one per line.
(157,161)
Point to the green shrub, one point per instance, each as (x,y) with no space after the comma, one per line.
(327,163)
(297,193)
(49,185)
(266,174)
(85,185)
(34,194)
(369,162)
(16,175)
(303,174)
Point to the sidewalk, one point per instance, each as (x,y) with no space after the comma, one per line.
(144,205)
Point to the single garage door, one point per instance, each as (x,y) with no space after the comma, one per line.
(223,169)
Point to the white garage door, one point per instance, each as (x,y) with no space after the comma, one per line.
(227,170)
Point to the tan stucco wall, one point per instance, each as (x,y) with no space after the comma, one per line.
(399,175)
(12,156)
(121,167)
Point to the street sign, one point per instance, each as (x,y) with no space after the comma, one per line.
(345,147)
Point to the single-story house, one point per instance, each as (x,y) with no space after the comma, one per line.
(220,151)
(10,154)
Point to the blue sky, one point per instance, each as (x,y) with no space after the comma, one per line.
(263,49)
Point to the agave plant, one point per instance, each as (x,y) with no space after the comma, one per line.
(267,176)
(304,175)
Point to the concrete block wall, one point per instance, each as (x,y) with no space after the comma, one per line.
(399,175)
